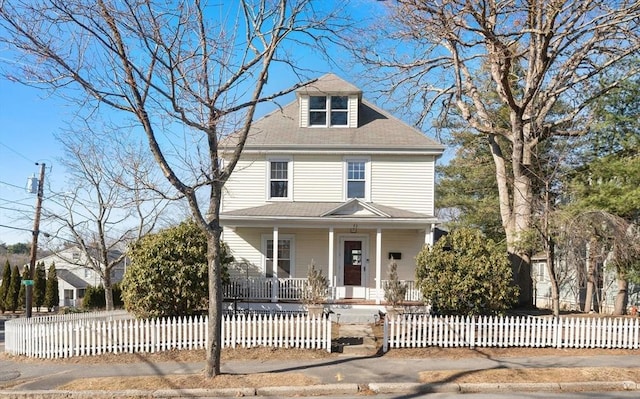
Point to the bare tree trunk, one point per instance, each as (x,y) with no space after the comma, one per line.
(108,290)
(591,279)
(622,296)
(214,334)
(551,269)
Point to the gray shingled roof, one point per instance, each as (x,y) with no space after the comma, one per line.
(71,278)
(377,130)
(329,84)
(316,210)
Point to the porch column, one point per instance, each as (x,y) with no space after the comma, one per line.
(378,264)
(428,235)
(274,285)
(331,271)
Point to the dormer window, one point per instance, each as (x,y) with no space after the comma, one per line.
(336,106)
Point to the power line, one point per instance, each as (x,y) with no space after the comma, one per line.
(16,152)
(16,228)
(12,185)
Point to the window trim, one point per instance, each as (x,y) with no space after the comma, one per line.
(292,254)
(328,110)
(367,177)
(289,162)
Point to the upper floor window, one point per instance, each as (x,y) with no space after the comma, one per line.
(336,107)
(279,179)
(356,178)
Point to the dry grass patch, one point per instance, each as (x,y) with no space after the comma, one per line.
(190,381)
(502,375)
(184,356)
(494,353)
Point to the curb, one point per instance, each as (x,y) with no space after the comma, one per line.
(328,389)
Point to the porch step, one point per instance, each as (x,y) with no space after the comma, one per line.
(355,340)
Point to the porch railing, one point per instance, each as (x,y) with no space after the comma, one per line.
(292,289)
(257,288)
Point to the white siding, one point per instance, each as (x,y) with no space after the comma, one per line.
(408,243)
(246,186)
(245,246)
(311,246)
(403,182)
(353,111)
(317,178)
(304,111)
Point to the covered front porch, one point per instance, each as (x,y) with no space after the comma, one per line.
(351,243)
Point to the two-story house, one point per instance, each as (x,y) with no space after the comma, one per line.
(333,180)
(75,273)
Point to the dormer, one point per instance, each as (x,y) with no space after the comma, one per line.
(329,102)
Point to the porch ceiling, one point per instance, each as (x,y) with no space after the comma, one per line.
(325,214)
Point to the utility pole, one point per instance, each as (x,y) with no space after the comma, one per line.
(34,244)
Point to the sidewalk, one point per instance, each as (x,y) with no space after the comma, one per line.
(338,375)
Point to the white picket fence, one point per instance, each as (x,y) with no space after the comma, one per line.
(86,337)
(418,331)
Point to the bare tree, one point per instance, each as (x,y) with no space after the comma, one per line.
(175,68)
(538,53)
(109,204)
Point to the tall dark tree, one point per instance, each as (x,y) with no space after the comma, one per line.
(39,286)
(52,294)
(466,189)
(13,294)
(4,287)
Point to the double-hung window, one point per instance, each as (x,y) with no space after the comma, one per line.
(318,111)
(279,185)
(339,110)
(356,178)
(285,257)
(328,111)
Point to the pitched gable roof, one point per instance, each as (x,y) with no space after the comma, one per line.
(328,84)
(377,130)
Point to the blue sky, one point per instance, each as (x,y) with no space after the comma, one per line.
(29,121)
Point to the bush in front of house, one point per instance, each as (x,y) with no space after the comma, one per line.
(94,297)
(465,273)
(168,274)
(394,289)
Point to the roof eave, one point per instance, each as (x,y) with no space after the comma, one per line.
(314,222)
(340,149)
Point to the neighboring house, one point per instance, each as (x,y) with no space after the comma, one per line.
(333,180)
(74,274)
(572,287)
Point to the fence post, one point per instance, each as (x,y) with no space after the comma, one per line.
(385,336)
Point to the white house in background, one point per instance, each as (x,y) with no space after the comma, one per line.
(572,285)
(74,274)
(333,180)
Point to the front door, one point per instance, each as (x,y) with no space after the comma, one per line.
(352,262)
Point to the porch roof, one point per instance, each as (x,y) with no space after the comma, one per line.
(326,213)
